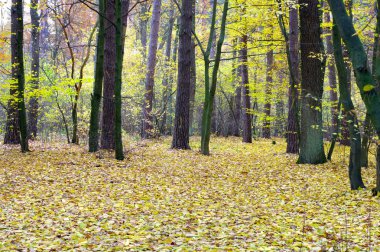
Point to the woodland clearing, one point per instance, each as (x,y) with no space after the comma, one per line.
(242,197)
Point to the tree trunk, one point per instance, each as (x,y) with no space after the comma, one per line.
(167,77)
(246,118)
(210,87)
(268,93)
(193,73)
(182,108)
(108,111)
(365,141)
(148,128)
(12,127)
(292,51)
(349,111)
(312,73)
(17,28)
(119,154)
(35,68)
(332,79)
(364,78)
(98,83)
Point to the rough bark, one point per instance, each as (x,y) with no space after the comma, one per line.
(312,73)
(148,127)
(182,109)
(193,73)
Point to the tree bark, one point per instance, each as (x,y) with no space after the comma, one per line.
(182,109)
(148,127)
(119,154)
(246,118)
(35,69)
(193,73)
(349,111)
(332,79)
(312,73)
(98,82)
(268,93)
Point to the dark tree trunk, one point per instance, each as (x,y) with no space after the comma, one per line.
(182,108)
(119,154)
(292,129)
(35,69)
(148,127)
(17,37)
(12,130)
(365,141)
(349,111)
(246,118)
(108,111)
(98,83)
(268,93)
(312,73)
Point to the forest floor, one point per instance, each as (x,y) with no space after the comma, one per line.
(243,197)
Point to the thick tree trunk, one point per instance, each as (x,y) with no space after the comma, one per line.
(35,69)
(17,40)
(98,83)
(246,118)
(349,111)
(108,110)
(12,130)
(365,141)
(148,127)
(312,73)
(182,108)
(268,93)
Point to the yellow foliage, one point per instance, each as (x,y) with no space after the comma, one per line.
(242,197)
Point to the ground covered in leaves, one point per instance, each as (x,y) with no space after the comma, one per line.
(242,197)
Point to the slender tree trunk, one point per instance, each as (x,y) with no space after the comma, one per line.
(365,141)
(35,68)
(349,111)
(182,109)
(312,71)
(364,78)
(332,79)
(98,83)
(167,77)
(210,87)
(268,93)
(246,118)
(292,49)
(193,73)
(148,128)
